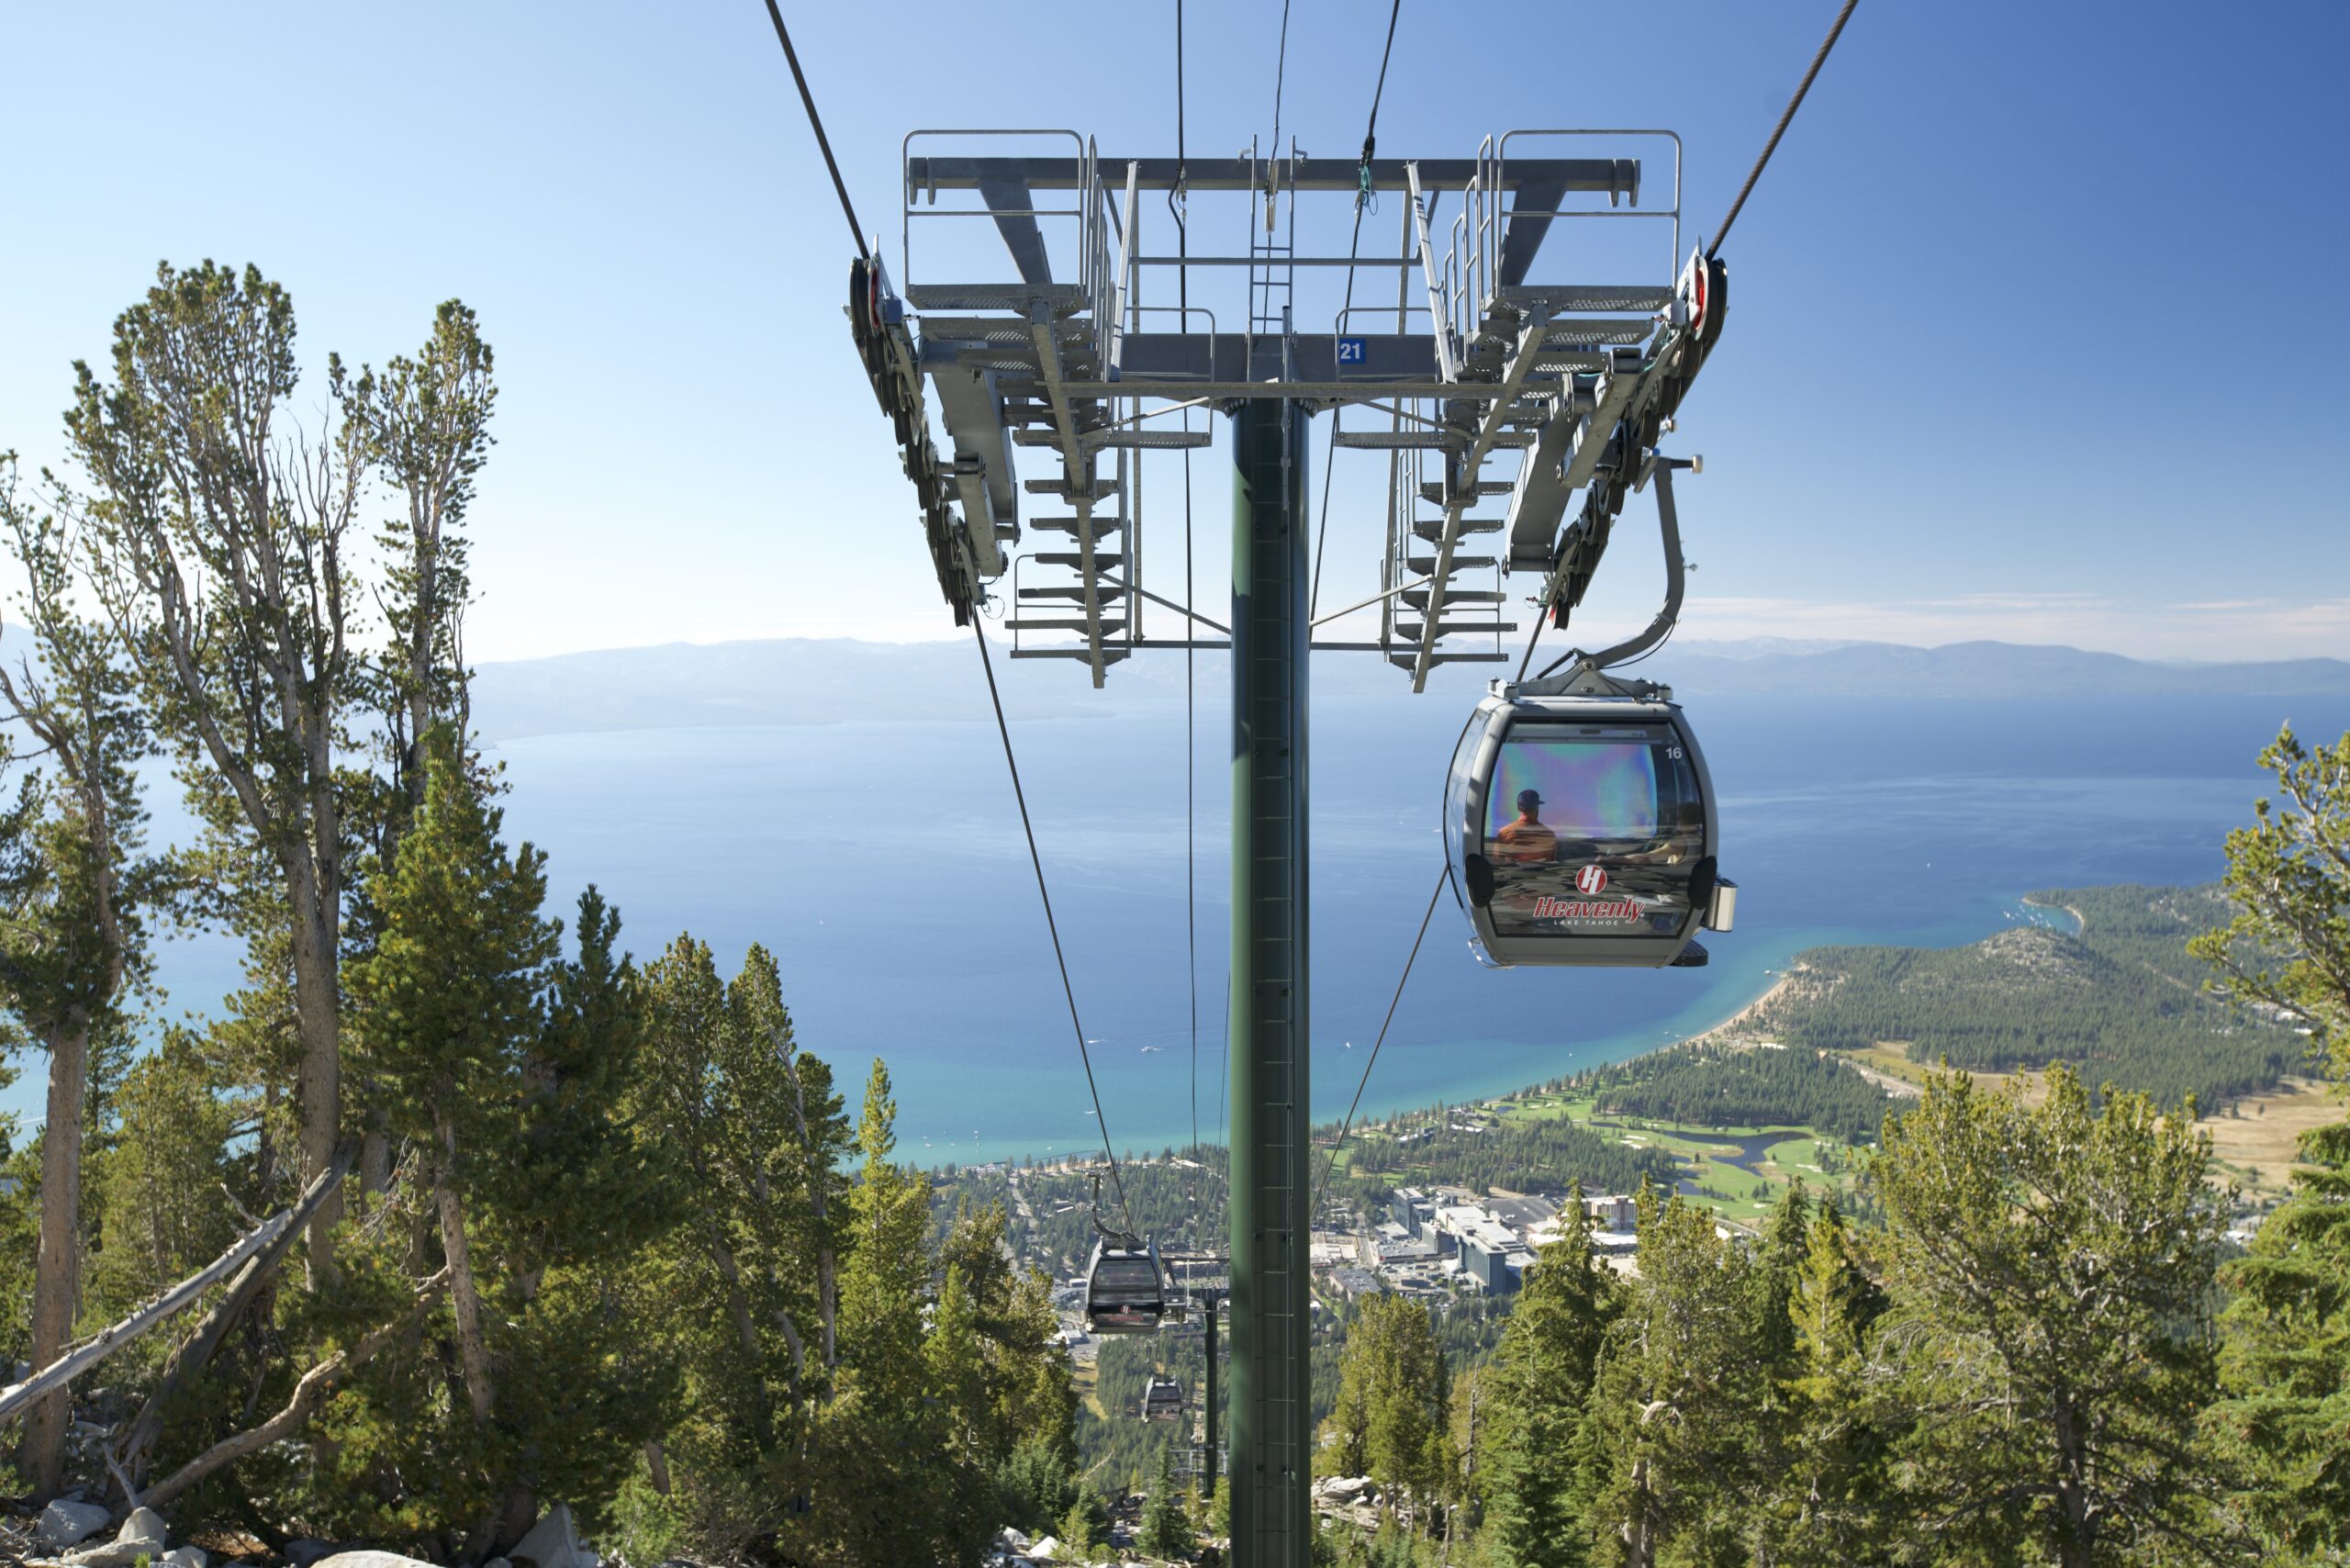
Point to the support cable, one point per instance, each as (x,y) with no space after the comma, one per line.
(1354,246)
(1191,706)
(1053,929)
(1280,70)
(1780,129)
(816,123)
(1322,1186)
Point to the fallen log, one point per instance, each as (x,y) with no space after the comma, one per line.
(17,1397)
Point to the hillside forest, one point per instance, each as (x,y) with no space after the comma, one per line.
(514,1206)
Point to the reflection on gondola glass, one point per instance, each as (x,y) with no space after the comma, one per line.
(1593,832)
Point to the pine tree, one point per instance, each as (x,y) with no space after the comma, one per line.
(1668,1454)
(2052,1271)
(1836,1476)
(1080,1526)
(1165,1531)
(893,1485)
(72,886)
(1390,1416)
(2288,878)
(1541,1377)
(447,1009)
(2285,1356)
(164,1212)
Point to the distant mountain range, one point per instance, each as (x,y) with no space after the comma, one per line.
(799,681)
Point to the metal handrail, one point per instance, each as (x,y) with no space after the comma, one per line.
(908,191)
(1673,268)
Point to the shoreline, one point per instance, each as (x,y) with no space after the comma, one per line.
(1734,1020)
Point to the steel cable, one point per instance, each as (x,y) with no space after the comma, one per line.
(1020,797)
(1401,980)
(1780,129)
(816,123)
(1354,247)
(1191,635)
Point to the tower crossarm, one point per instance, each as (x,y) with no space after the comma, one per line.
(1051,336)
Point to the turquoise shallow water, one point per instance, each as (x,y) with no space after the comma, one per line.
(882,862)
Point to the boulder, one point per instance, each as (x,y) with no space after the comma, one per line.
(552,1543)
(1012,1540)
(1045,1551)
(185,1557)
(370,1560)
(142,1535)
(63,1523)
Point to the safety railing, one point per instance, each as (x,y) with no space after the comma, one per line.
(1673,213)
(1091,219)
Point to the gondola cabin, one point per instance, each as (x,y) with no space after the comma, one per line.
(1163,1400)
(1125,1290)
(1581,830)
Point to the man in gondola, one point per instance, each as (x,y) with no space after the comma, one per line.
(1529,841)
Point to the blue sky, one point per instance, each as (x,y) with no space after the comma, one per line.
(2035,331)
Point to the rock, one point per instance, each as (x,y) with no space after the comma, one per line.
(370,1560)
(552,1543)
(124,1553)
(185,1557)
(302,1553)
(1006,1540)
(1045,1550)
(63,1523)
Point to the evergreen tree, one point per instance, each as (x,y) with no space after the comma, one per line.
(2285,1358)
(448,1003)
(72,888)
(1036,1483)
(2051,1272)
(1541,1377)
(892,1483)
(1165,1530)
(219,548)
(1829,1509)
(1669,1449)
(166,1215)
(1392,1413)
(1084,1523)
(2288,880)
(509,1070)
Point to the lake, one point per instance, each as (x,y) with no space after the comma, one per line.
(882,862)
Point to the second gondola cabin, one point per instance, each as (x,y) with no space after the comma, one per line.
(1125,1290)
(1163,1400)
(1582,831)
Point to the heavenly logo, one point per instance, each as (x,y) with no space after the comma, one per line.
(1591,879)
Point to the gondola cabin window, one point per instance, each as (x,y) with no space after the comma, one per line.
(1593,831)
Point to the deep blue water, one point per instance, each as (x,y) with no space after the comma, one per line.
(883,864)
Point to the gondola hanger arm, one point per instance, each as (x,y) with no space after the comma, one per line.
(1581,666)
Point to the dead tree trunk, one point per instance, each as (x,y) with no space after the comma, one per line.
(136,1447)
(58,1273)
